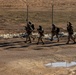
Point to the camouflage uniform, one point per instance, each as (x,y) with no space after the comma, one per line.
(70,32)
(55,31)
(41,34)
(29,29)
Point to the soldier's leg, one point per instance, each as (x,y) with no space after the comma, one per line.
(41,40)
(33,38)
(73,38)
(38,40)
(52,36)
(57,37)
(29,38)
(69,36)
(26,39)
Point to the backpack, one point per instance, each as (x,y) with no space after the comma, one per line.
(58,29)
(70,29)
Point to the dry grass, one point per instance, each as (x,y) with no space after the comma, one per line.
(13,18)
(16,20)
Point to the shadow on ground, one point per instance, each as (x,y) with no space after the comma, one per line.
(21,44)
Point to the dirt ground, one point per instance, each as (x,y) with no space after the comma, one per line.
(20,58)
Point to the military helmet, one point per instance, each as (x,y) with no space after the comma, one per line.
(29,22)
(70,23)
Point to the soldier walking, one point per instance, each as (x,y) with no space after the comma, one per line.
(70,33)
(41,34)
(55,31)
(29,29)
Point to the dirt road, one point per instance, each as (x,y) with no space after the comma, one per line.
(19,58)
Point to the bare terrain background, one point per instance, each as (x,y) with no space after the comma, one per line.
(13,14)
(20,58)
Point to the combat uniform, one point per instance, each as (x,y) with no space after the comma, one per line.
(55,31)
(29,29)
(41,34)
(70,33)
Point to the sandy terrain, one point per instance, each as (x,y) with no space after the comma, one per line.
(19,58)
(37,5)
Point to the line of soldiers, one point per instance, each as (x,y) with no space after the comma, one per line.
(30,28)
(55,31)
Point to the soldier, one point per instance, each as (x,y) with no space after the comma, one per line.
(28,31)
(55,31)
(70,32)
(41,34)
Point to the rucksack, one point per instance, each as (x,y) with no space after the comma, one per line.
(58,29)
(70,29)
